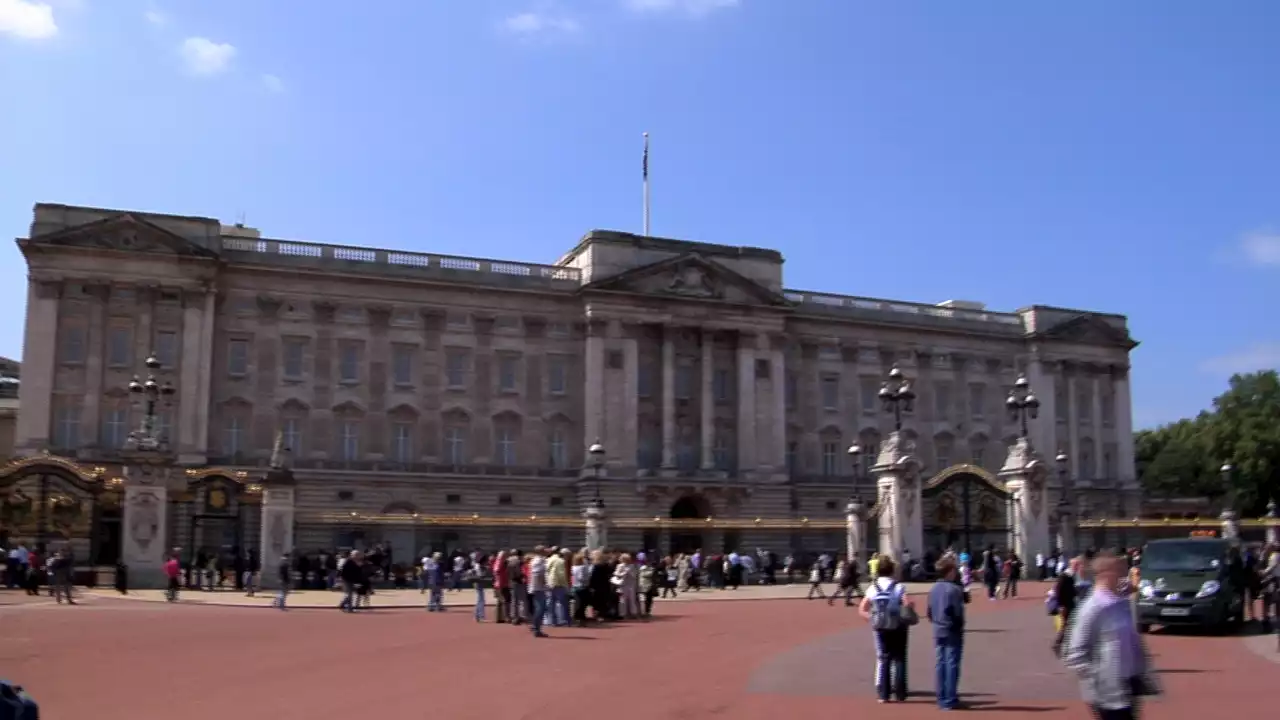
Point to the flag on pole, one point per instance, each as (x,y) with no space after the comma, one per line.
(645,164)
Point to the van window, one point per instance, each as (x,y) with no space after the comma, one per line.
(1182,556)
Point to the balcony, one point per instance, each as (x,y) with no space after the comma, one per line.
(387,466)
(410,265)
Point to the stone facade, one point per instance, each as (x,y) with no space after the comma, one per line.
(412,388)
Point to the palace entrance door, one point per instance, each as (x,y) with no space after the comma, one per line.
(687,537)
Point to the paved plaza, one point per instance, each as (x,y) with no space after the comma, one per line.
(110,659)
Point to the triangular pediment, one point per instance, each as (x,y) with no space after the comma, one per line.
(125,233)
(691,276)
(1087,329)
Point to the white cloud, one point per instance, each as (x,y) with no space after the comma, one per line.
(529,24)
(695,8)
(1261,248)
(155,17)
(206,57)
(1263,356)
(27,19)
(272,83)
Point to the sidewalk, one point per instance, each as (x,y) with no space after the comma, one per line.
(399,599)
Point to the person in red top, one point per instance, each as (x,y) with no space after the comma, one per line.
(171,571)
(501,587)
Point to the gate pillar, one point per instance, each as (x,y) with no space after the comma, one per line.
(278,509)
(1024,476)
(898,503)
(597,521)
(144,535)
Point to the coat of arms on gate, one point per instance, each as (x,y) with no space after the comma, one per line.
(144,521)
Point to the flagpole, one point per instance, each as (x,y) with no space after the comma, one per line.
(646,184)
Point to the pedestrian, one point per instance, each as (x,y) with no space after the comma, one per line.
(815,582)
(284,574)
(433,573)
(1104,648)
(946,612)
(890,611)
(537,589)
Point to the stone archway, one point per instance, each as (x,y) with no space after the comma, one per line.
(686,539)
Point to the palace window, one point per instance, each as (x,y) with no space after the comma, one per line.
(402,365)
(684,382)
(942,400)
(977,401)
(687,456)
(559,449)
(66,429)
(233,437)
(349,363)
(120,347)
(506,454)
(793,457)
(455,369)
(402,442)
(507,365)
(830,392)
(115,430)
(720,385)
(455,445)
(721,454)
(792,389)
(238,358)
(164,426)
(167,349)
(72,349)
(557,375)
(292,435)
(644,380)
(830,458)
(868,391)
(350,440)
(293,352)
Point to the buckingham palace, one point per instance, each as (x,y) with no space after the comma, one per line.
(427,400)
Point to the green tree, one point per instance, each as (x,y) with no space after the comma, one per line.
(1245,431)
(1184,458)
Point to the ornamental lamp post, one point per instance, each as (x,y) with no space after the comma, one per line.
(897,396)
(596,454)
(147,436)
(1230,521)
(1022,403)
(1064,503)
(857,512)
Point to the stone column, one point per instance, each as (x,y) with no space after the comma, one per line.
(1073,425)
(707,415)
(597,521)
(1125,462)
(145,521)
(1024,476)
(898,487)
(192,353)
(628,445)
(278,503)
(95,362)
(593,393)
(668,398)
(1099,468)
(777,448)
(1066,539)
(39,360)
(1041,377)
(747,425)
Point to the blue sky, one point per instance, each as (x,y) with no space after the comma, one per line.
(1112,156)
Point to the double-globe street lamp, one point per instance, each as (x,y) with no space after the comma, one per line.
(897,396)
(147,437)
(1022,403)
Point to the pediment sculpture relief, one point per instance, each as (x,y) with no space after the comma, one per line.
(694,281)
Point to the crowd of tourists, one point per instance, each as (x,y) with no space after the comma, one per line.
(28,570)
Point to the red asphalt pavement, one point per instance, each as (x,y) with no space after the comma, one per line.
(122,660)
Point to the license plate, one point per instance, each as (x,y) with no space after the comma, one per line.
(1175,612)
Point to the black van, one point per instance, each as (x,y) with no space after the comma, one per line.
(1184,582)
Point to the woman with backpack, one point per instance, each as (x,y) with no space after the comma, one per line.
(890,613)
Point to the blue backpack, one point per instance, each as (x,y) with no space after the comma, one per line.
(15,704)
(886,608)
